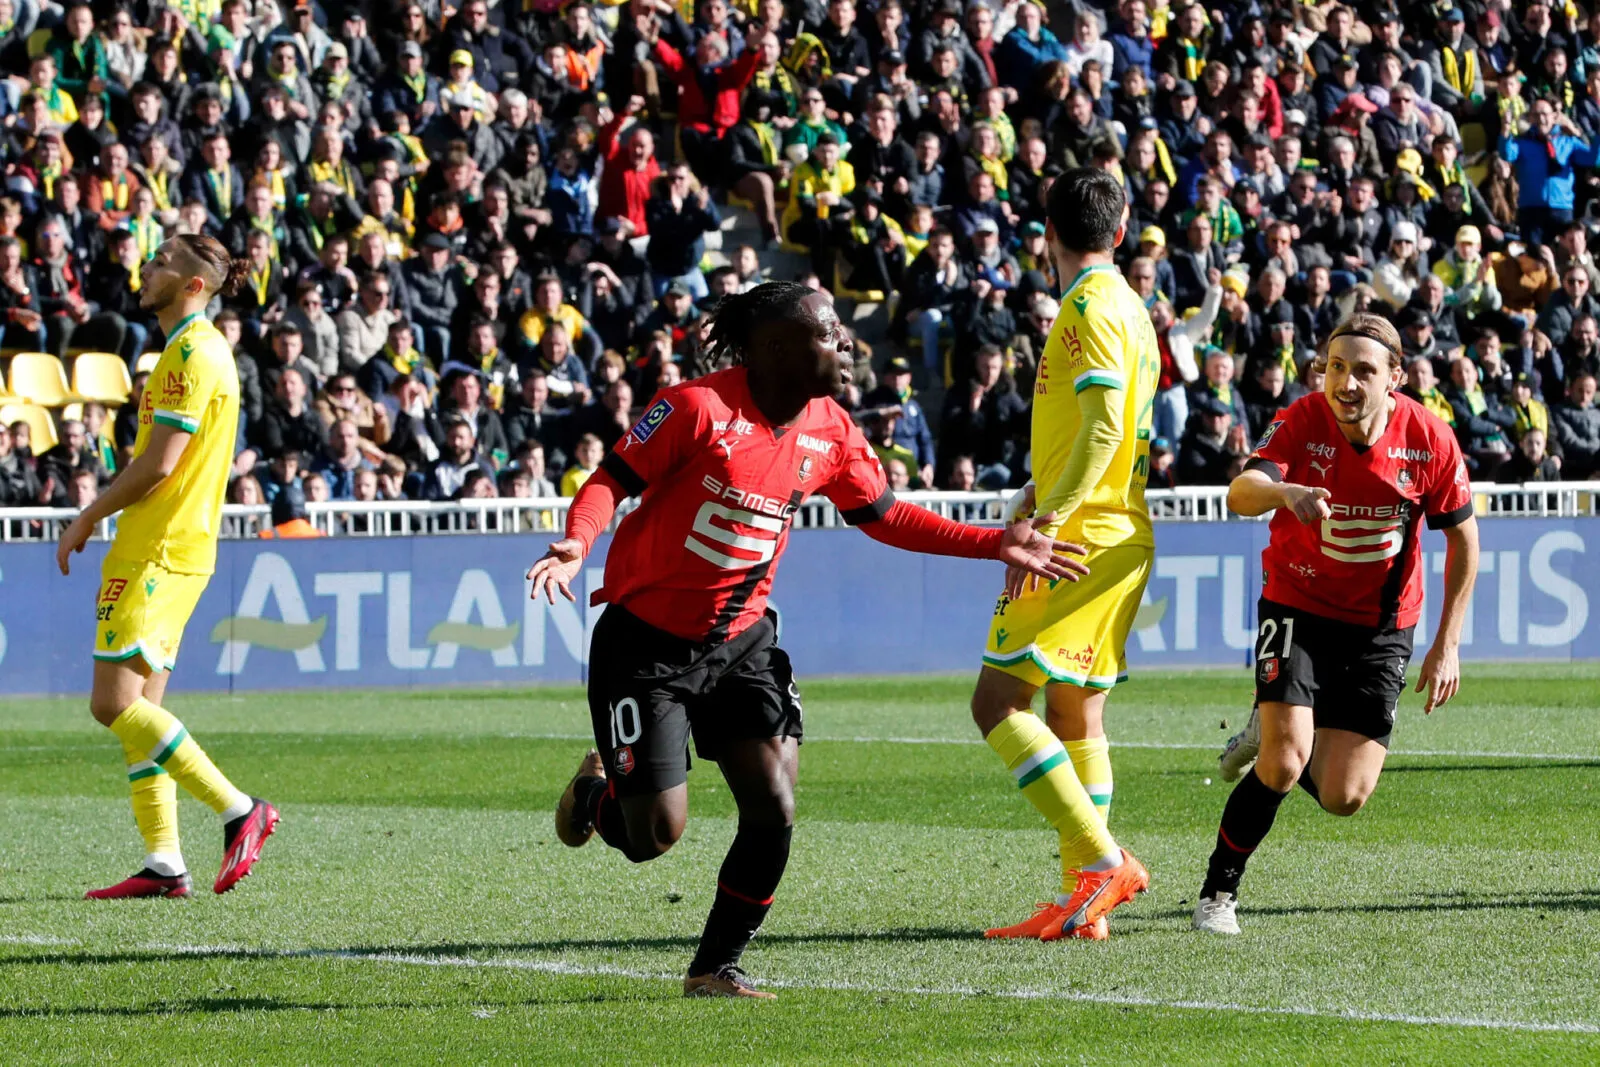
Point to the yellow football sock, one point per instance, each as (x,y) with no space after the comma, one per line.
(1039,763)
(155,740)
(155,810)
(1091,758)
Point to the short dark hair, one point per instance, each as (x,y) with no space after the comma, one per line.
(1085,208)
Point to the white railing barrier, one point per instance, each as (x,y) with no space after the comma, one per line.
(392,518)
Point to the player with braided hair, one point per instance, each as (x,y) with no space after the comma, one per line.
(687,644)
(170,497)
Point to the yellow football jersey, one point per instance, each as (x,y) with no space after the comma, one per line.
(194,387)
(1102,337)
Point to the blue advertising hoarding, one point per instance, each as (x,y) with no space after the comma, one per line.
(434,611)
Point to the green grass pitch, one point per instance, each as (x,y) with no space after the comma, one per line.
(416,908)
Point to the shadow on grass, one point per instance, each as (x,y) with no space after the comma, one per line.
(227,1005)
(1560,900)
(471,948)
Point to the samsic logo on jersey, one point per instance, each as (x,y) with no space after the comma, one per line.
(739,498)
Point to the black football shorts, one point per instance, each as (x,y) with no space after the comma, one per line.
(1349,675)
(650,690)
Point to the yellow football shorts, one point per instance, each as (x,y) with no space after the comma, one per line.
(142,610)
(1074,632)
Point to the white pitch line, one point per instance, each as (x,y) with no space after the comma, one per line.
(607,970)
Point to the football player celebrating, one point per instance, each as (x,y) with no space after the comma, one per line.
(687,644)
(1352,473)
(1092,407)
(165,550)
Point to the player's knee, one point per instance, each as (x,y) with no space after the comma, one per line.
(1279,769)
(655,838)
(1343,804)
(774,811)
(105,709)
(987,711)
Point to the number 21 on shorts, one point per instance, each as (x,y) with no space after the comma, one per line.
(1266,657)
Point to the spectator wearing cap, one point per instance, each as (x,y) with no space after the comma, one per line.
(498,56)
(1029,46)
(911,432)
(1545,156)
(290,520)
(1432,297)
(408,88)
(1454,66)
(333,82)
(1215,441)
(680,213)
(350,29)
(1185,130)
(1468,276)
(1334,87)
(1131,43)
(944,30)
(459,121)
(1400,270)
(431,285)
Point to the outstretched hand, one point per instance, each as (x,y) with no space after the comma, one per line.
(1031,555)
(1441,675)
(555,570)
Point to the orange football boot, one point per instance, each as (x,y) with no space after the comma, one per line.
(1097,894)
(1099,930)
(1046,914)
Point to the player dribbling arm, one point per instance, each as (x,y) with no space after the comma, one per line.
(1441,667)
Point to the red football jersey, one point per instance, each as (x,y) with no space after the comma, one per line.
(1361,565)
(719,486)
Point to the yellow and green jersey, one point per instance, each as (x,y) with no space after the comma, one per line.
(1102,338)
(194,388)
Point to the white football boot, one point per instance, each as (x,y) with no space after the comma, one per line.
(1218,914)
(1239,755)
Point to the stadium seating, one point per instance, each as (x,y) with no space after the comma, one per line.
(102,376)
(39,378)
(5,394)
(41,426)
(147,363)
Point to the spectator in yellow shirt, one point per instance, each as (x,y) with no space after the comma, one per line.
(589,451)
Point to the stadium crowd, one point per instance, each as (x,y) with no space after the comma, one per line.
(477,234)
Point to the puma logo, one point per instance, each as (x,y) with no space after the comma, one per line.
(727,447)
(1322,469)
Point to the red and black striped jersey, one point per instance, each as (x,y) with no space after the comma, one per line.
(718,488)
(1362,564)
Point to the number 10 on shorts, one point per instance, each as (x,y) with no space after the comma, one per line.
(626,725)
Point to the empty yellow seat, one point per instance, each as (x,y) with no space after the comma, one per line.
(147,363)
(101,376)
(39,378)
(41,427)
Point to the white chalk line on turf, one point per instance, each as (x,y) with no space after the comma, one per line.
(567,968)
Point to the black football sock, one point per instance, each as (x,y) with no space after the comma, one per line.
(1309,784)
(609,821)
(745,885)
(1246,819)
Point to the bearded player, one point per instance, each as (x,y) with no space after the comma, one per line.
(1092,410)
(1351,472)
(687,645)
(170,499)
